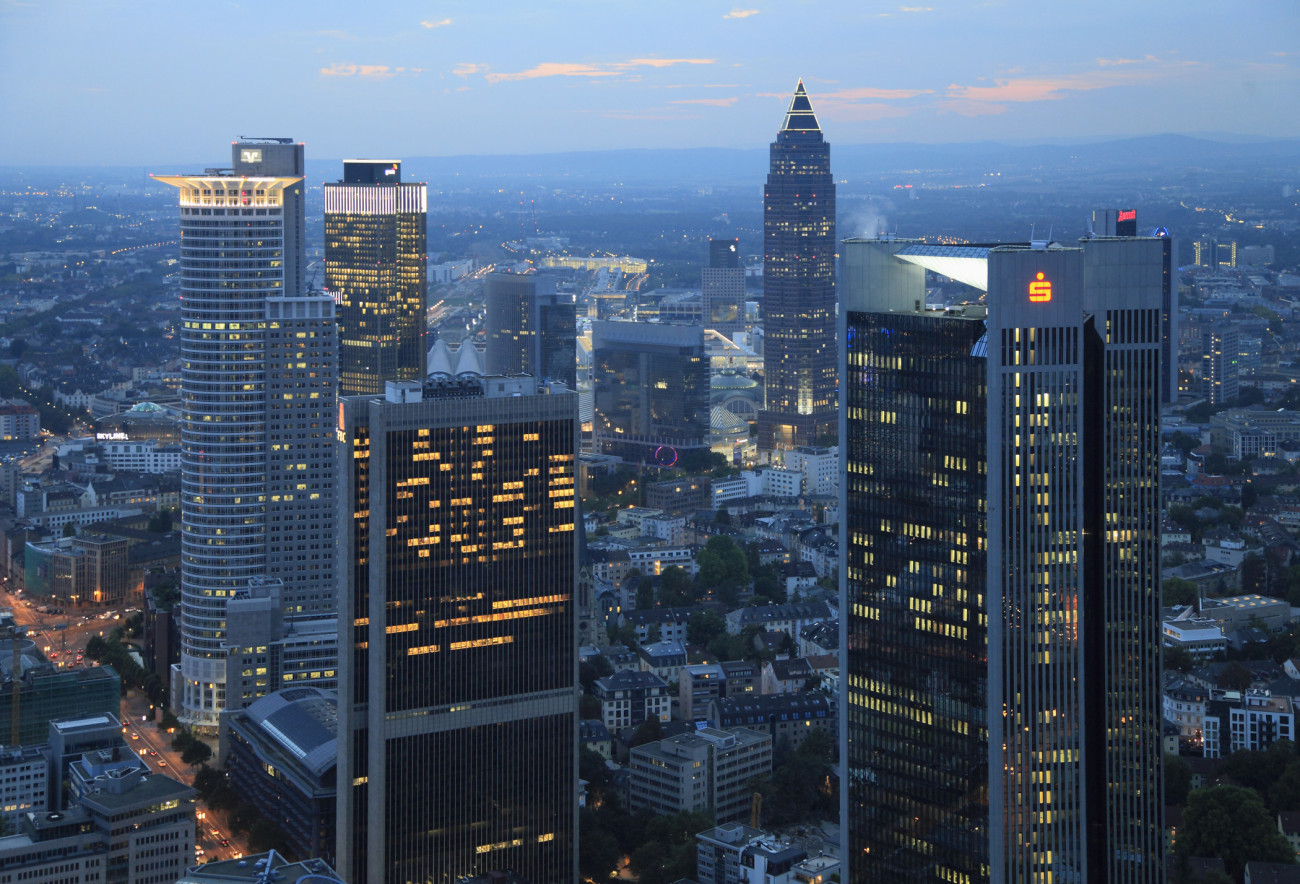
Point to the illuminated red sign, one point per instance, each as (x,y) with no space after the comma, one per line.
(1040,290)
(1127,215)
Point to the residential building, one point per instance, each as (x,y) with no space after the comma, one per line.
(663,658)
(457,632)
(791,716)
(708,769)
(788,618)
(630,697)
(717,852)
(1254,721)
(698,685)
(258,384)
(799,246)
(1001,546)
(819,468)
(786,675)
(1220,374)
(376,269)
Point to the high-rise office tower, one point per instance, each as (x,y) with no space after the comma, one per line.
(1001,536)
(798,284)
(257,396)
(1123,222)
(457,693)
(723,288)
(377,270)
(650,388)
(531,328)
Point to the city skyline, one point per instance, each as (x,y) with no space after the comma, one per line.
(877,73)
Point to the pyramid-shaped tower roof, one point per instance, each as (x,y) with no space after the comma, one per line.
(800,116)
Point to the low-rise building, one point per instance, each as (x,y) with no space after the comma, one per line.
(786,675)
(282,758)
(1199,637)
(708,769)
(1255,721)
(697,687)
(24,782)
(792,716)
(664,658)
(789,618)
(628,698)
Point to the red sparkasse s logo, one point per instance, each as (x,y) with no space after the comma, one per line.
(1040,290)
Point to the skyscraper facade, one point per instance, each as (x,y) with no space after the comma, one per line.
(458,701)
(798,284)
(1221,364)
(376,268)
(257,398)
(650,388)
(1002,551)
(723,288)
(531,328)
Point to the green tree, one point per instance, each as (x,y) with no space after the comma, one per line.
(722,564)
(598,850)
(1254,576)
(1249,496)
(196,752)
(1285,793)
(769,586)
(264,835)
(722,517)
(589,707)
(161,521)
(1231,823)
(704,626)
(1235,677)
(1178,780)
(1184,442)
(1177,591)
(676,588)
(649,731)
(1179,659)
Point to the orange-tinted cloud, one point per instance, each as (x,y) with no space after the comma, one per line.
(374,71)
(435,24)
(577,69)
(553,69)
(464,69)
(741,13)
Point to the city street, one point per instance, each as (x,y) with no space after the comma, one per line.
(65,648)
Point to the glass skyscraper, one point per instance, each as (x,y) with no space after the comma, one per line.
(458,694)
(531,328)
(650,385)
(1003,714)
(377,270)
(257,397)
(798,284)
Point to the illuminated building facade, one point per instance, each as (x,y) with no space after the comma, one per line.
(1221,364)
(531,328)
(723,288)
(377,270)
(650,387)
(457,694)
(1001,532)
(798,284)
(257,397)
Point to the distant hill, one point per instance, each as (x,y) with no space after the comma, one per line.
(720,166)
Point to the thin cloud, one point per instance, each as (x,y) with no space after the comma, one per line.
(866,92)
(1116,62)
(741,13)
(553,69)
(372,71)
(712,102)
(435,24)
(970,108)
(916,9)
(577,69)
(465,68)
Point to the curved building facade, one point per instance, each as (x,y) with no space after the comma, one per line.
(246,335)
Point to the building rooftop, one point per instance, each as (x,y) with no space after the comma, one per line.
(303,722)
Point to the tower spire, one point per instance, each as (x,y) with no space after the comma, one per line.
(800,116)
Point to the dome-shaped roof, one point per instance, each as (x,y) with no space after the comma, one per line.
(146,408)
(732,382)
(723,421)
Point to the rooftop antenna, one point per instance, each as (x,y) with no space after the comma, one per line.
(1038,244)
(1092,234)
